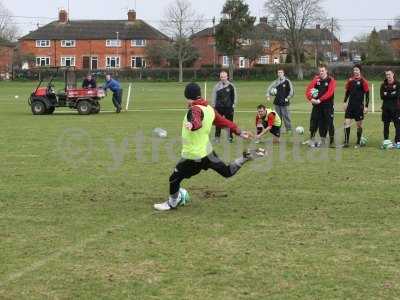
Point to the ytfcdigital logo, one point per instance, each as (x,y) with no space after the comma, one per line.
(77,149)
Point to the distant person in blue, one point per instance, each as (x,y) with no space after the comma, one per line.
(115,87)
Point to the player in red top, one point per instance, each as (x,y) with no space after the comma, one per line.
(321,92)
(267,120)
(356,90)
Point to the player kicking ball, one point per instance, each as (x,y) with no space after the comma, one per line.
(197,152)
(267,120)
(356,90)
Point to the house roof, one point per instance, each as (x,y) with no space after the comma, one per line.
(315,34)
(6,43)
(272,33)
(95,30)
(387,35)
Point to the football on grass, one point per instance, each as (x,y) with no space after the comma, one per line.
(299,130)
(185,198)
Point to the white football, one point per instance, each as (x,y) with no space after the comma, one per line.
(16,96)
(299,130)
(162,133)
(273,92)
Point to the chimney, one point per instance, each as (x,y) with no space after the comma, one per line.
(390,27)
(131,15)
(62,16)
(318,26)
(264,20)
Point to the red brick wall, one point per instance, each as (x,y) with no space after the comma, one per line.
(6,58)
(85,48)
(205,47)
(395,43)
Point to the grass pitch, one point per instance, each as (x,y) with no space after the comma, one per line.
(76,218)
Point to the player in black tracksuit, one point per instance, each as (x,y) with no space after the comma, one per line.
(356,90)
(322,113)
(224,99)
(390,94)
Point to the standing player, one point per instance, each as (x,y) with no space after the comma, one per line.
(356,90)
(267,120)
(284,91)
(321,92)
(390,94)
(197,152)
(224,99)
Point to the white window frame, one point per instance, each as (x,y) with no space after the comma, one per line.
(92,59)
(39,59)
(42,43)
(276,60)
(242,62)
(63,61)
(134,43)
(266,44)
(114,43)
(245,42)
(68,43)
(133,62)
(263,60)
(109,62)
(225,60)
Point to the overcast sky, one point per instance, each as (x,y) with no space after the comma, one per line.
(152,11)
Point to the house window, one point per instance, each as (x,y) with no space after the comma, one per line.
(138,43)
(138,62)
(67,61)
(112,62)
(276,60)
(42,61)
(263,60)
(245,42)
(68,43)
(266,44)
(113,43)
(43,43)
(242,62)
(225,60)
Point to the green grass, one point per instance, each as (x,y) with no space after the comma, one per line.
(76,218)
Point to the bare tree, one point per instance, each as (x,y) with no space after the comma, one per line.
(294,16)
(181,22)
(8,30)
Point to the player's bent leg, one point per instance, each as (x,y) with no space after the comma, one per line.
(216,164)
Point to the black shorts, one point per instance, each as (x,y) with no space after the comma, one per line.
(390,115)
(275,130)
(355,112)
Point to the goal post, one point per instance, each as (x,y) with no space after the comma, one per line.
(128,97)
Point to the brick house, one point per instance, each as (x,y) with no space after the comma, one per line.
(391,37)
(91,44)
(322,41)
(317,40)
(204,42)
(6,57)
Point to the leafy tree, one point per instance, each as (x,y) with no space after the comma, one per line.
(233,29)
(376,50)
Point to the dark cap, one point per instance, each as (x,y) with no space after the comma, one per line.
(192,91)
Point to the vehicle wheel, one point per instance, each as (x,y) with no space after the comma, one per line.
(50,110)
(95,108)
(38,108)
(84,107)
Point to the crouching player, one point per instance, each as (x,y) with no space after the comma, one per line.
(197,153)
(267,120)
